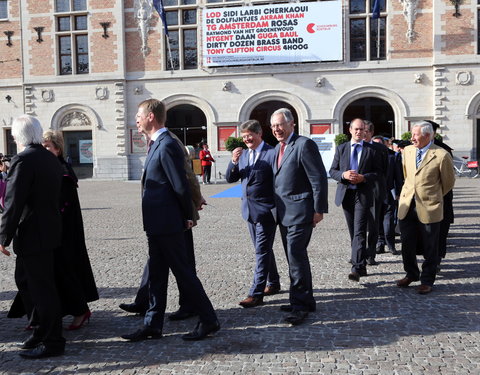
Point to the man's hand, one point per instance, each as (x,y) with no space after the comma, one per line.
(317,217)
(5,251)
(236,154)
(202,203)
(353,177)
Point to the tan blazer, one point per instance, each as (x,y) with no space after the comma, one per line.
(433,179)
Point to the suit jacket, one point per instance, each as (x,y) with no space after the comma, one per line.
(32,214)
(394,178)
(301,185)
(428,184)
(257,184)
(166,199)
(380,184)
(367,166)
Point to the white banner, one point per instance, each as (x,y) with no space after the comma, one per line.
(86,151)
(326,147)
(267,34)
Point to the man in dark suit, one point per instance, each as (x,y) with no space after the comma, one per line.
(301,199)
(428,171)
(167,212)
(394,182)
(379,193)
(255,168)
(185,311)
(355,167)
(32,219)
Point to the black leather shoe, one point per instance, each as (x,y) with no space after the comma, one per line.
(132,308)
(354,276)
(296,317)
(181,315)
(394,252)
(371,261)
(380,249)
(143,333)
(30,343)
(201,331)
(41,351)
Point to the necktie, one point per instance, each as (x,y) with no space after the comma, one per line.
(354,157)
(419,157)
(149,145)
(280,154)
(252,158)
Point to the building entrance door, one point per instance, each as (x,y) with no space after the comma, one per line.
(189,123)
(79,152)
(376,110)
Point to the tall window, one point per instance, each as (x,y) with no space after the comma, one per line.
(182,29)
(3,9)
(72,36)
(367,35)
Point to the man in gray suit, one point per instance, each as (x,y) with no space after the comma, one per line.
(301,198)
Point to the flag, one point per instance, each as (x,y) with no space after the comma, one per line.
(376,10)
(158,4)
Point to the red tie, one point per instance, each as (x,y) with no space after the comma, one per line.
(149,144)
(280,154)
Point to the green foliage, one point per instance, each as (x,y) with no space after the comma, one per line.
(340,138)
(233,142)
(406,136)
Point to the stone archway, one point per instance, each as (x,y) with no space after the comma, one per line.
(264,111)
(376,110)
(76,122)
(189,123)
(398,106)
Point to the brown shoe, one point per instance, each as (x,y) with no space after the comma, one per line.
(270,290)
(406,281)
(251,301)
(424,289)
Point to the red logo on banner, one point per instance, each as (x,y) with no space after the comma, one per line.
(310,28)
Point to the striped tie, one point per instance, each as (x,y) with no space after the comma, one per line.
(419,157)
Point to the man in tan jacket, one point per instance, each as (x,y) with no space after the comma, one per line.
(429,175)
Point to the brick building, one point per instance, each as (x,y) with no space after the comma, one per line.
(82,66)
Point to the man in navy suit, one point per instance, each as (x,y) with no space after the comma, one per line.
(355,168)
(301,199)
(255,168)
(167,213)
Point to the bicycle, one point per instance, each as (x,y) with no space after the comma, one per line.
(465,167)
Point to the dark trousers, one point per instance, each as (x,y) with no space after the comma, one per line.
(141,299)
(412,230)
(207,172)
(265,272)
(373,226)
(167,252)
(386,231)
(356,215)
(35,278)
(295,241)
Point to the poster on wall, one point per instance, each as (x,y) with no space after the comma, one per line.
(138,142)
(275,33)
(224,132)
(326,147)
(86,151)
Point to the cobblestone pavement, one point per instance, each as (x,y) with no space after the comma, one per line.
(371,327)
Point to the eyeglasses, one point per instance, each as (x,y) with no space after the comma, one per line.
(280,126)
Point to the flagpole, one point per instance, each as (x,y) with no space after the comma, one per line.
(378,38)
(169,52)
